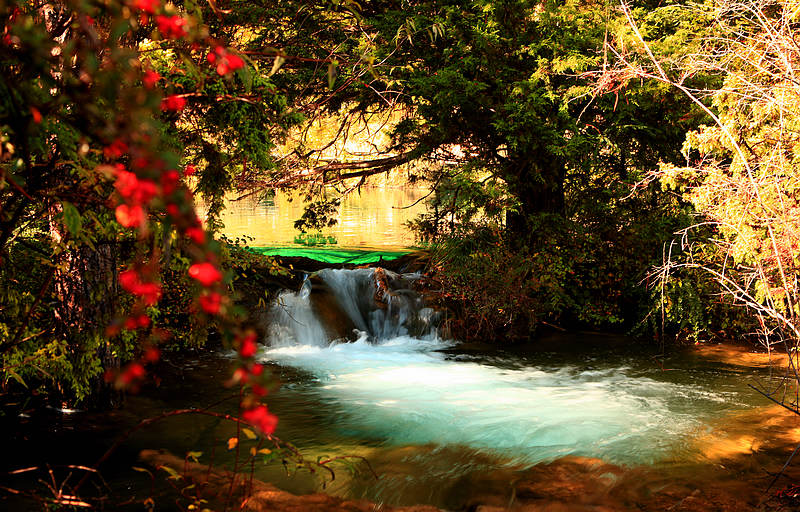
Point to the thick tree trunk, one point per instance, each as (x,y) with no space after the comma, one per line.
(539,188)
(86,289)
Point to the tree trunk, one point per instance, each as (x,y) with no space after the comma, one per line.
(86,289)
(539,188)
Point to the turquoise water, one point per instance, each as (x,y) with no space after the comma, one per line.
(444,416)
(406,392)
(435,423)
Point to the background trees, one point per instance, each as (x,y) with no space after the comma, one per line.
(498,101)
(740,170)
(512,111)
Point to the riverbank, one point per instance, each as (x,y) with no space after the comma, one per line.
(723,463)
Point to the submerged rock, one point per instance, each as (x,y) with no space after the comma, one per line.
(257,496)
(323,302)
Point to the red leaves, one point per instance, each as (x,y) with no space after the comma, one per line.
(151,355)
(132,373)
(174,103)
(128,279)
(196,235)
(225,61)
(145,191)
(205,273)
(169,182)
(133,189)
(115,150)
(132,283)
(250,371)
(126,182)
(243,374)
(37,116)
(261,418)
(148,183)
(150,79)
(137,322)
(211,303)
(171,27)
(248,346)
(148,6)
(240,375)
(148,190)
(130,216)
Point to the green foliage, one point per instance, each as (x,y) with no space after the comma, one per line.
(740,172)
(318,215)
(176,313)
(686,306)
(38,351)
(82,130)
(315,239)
(585,272)
(543,160)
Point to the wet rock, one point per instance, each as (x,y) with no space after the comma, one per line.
(579,484)
(324,304)
(417,261)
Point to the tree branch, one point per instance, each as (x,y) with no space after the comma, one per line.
(360,168)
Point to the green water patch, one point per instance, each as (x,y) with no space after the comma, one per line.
(332,256)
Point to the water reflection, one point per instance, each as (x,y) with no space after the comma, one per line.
(373,218)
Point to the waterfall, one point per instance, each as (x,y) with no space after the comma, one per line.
(342,305)
(292,321)
(396,383)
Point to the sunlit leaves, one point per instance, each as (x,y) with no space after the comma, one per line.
(277,62)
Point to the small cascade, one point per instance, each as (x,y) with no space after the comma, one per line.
(293,322)
(399,386)
(338,304)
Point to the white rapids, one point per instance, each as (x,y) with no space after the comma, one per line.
(399,389)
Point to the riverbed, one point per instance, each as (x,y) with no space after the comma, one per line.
(447,427)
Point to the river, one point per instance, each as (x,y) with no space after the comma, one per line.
(370,218)
(441,423)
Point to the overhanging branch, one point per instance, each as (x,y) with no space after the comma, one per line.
(332,172)
(368,167)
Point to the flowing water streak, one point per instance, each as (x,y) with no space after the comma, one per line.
(293,322)
(401,390)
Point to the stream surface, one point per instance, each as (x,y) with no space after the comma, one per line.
(437,423)
(443,415)
(435,420)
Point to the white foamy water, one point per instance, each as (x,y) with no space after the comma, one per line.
(293,322)
(403,390)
